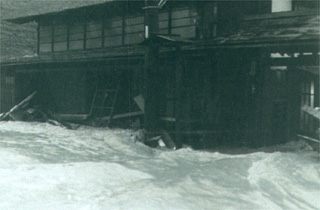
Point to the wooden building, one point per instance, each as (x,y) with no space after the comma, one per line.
(212,72)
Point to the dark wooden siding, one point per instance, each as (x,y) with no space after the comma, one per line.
(8,89)
(60,37)
(113,32)
(45,33)
(183,22)
(76,36)
(94,35)
(134,29)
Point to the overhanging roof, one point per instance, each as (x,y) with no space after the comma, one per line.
(33,10)
(280,32)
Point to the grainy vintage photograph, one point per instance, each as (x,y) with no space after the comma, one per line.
(159,105)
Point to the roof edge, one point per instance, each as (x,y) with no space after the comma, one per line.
(30,18)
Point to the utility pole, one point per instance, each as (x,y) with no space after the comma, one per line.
(152,77)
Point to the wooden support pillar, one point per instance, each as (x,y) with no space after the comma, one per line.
(179,98)
(266,106)
(153,84)
(293,90)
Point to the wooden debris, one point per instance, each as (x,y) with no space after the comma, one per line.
(164,138)
(16,108)
(168,141)
(24,112)
(314,112)
(314,143)
(140,102)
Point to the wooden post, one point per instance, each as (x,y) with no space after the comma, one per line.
(179,99)
(294,101)
(153,84)
(38,39)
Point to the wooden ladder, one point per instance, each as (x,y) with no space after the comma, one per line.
(103,104)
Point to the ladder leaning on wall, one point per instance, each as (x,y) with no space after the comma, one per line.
(103,104)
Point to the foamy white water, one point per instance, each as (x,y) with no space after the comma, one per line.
(48,167)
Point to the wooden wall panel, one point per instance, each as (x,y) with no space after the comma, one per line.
(45,33)
(60,46)
(94,26)
(77,36)
(163,16)
(113,41)
(46,39)
(133,38)
(164,31)
(113,32)
(183,22)
(134,28)
(45,47)
(60,38)
(186,32)
(94,43)
(60,30)
(183,13)
(113,23)
(76,45)
(163,24)
(134,20)
(93,34)
(45,30)
(76,29)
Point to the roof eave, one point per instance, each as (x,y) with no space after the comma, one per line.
(36,18)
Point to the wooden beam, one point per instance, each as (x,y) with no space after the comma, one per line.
(179,98)
(85,36)
(38,39)
(152,76)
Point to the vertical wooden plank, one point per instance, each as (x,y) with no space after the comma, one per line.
(179,98)
(85,36)
(153,100)
(103,22)
(38,39)
(52,38)
(294,79)
(170,20)
(68,35)
(266,97)
(124,24)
